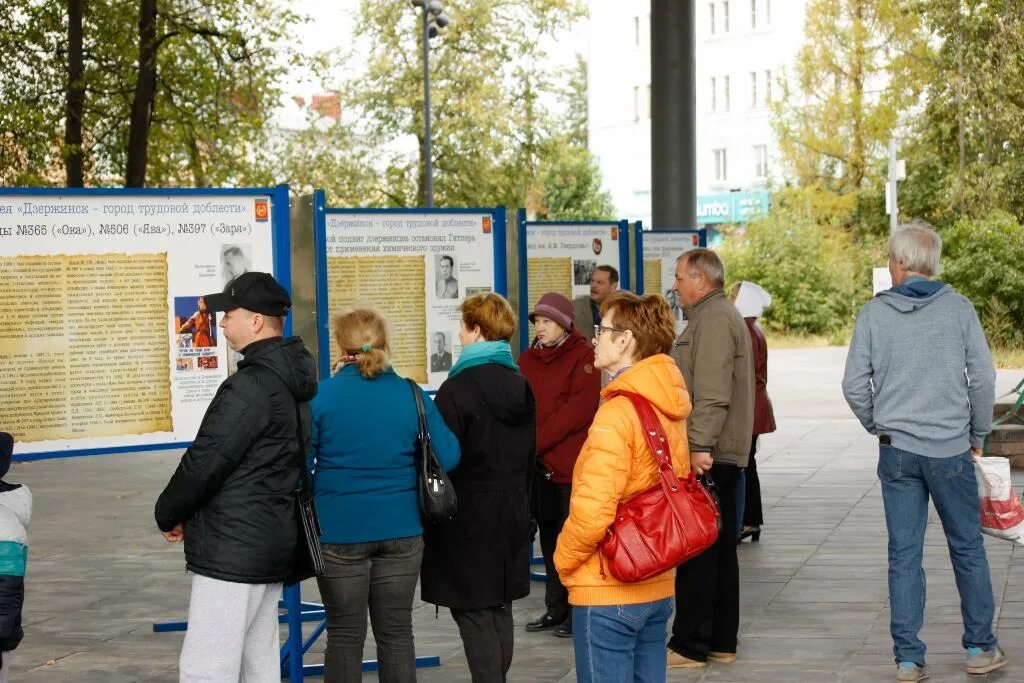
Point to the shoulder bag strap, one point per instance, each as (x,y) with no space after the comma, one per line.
(424,435)
(654,434)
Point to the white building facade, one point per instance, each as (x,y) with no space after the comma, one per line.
(743,49)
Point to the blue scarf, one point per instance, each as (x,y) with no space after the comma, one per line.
(483,352)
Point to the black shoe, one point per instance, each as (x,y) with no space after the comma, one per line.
(751,532)
(544,623)
(565,629)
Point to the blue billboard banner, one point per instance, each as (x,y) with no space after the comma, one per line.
(731,207)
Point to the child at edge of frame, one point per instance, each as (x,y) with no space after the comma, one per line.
(15,513)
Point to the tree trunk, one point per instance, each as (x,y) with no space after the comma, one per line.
(145,94)
(75,98)
(857,167)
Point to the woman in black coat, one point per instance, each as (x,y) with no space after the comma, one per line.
(479,563)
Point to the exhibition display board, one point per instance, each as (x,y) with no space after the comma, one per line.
(560,257)
(107,345)
(656,254)
(413,265)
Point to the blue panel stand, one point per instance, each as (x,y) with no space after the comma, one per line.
(295,614)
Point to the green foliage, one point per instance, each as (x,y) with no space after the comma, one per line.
(499,134)
(570,181)
(859,69)
(984,260)
(966,155)
(217,65)
(818,277)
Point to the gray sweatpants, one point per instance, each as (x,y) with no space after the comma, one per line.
(232,633)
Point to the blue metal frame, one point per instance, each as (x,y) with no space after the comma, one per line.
(280,240)
(524,290)
(320,213)
(323,321)
(639,241)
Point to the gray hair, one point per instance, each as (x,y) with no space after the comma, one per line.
(918,246)
(706,262)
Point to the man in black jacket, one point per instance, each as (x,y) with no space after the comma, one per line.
(232,497)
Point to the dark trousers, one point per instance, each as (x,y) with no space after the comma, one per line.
(708,586)
(752,513)
(487,640)
(380,576)
(551,509)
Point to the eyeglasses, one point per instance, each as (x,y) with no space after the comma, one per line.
(598,329)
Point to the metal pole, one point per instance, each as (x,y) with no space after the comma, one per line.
(673,115)
(894,212)
(428,166)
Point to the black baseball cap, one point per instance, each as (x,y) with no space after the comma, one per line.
(256,292)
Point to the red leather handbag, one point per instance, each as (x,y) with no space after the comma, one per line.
(664,526)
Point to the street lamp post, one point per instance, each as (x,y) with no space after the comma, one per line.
(434,19)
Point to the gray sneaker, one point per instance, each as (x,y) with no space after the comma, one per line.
(909,671)
(982,661)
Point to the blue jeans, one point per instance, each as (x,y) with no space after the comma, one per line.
(621,642)
(907,480)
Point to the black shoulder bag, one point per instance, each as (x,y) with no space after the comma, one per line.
(438,503)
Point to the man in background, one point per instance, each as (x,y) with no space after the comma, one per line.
(714,354)
(587,309)
(232,498)
(919,376)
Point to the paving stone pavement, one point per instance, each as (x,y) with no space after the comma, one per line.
(813,595)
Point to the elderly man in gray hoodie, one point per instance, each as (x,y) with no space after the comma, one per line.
(919,376)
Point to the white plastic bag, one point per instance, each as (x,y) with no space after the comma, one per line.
(1002,515)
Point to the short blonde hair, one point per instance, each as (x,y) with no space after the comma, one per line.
(648,317)
(357,328)
(492,312)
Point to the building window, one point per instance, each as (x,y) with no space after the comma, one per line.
(720,170)
(767,87)
(760,161)
(714,94)
(711,17)
(636,31)
(753,89)
(725,16)
(768,12)
(636,102)
(725,93)
(753,13)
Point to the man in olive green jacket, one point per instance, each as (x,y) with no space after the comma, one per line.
(715,357)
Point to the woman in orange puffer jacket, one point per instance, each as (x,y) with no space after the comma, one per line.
(619,629)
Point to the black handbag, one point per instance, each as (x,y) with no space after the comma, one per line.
(438,502)
(309,556)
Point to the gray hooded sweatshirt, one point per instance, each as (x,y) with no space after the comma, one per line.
(920,371)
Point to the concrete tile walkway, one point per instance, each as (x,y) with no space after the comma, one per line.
(813,597)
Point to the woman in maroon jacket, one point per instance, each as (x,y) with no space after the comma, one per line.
(751,300)
(560,368)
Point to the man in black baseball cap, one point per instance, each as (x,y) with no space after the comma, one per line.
(253,291)
(254,306)
(231,499)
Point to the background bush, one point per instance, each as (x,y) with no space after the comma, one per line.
(818,277)
(984,260)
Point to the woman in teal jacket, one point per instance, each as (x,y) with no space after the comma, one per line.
(363,458)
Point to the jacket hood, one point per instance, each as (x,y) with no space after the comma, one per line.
(290,361)
(505,391)
(550,354)
(656,378)
(913,295)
